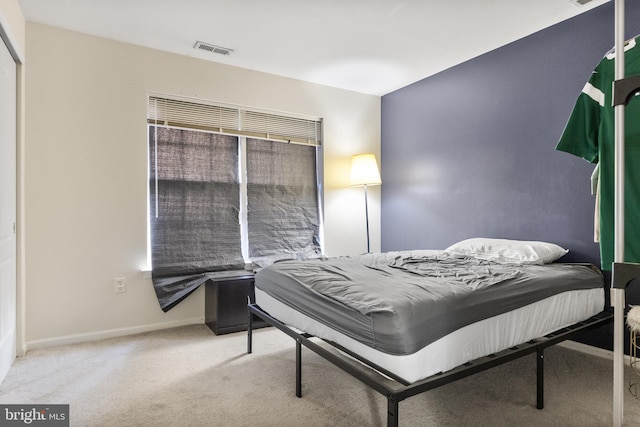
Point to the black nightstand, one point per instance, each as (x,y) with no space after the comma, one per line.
(225,304)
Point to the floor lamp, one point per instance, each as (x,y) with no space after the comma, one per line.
(365,172)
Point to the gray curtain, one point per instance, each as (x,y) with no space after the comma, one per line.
(194,199)
(282,192)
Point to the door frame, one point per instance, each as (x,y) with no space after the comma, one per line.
(16,52)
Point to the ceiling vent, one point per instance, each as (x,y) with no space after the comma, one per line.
(212,48)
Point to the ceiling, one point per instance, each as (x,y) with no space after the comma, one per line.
(368,46)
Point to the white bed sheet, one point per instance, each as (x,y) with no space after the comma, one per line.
(468,343)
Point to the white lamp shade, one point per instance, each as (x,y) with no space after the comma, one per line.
(364,170)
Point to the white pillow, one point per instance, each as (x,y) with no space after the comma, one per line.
(508,251)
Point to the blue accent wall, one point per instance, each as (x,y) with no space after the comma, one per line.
(470,152)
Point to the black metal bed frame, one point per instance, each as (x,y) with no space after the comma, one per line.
(396,389)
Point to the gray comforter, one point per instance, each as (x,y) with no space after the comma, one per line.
(399,302)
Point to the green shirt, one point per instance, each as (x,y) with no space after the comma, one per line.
(590,134)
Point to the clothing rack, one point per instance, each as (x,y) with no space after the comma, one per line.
(623,273)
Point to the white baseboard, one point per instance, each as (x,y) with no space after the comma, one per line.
(591,350)
(111,333)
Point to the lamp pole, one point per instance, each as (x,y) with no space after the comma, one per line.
(366,214)
(365,172)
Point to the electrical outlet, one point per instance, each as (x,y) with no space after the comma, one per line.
(120,285)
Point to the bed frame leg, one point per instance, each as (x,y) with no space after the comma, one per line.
(250,333)
(540,378)
(298,368)
(392,411)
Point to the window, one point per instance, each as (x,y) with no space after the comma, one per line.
(222,195)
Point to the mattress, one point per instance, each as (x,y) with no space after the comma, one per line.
(479,339)
(400,302)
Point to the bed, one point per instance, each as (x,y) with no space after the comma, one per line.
(405,322)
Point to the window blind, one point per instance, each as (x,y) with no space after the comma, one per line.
(234,120)
(193,207)
(282,195)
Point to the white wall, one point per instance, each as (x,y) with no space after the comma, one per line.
(13,23)
(86,172)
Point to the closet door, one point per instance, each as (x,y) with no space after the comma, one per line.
(7,210)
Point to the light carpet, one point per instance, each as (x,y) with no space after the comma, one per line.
(188,376)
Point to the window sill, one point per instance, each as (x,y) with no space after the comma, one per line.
(215,275)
